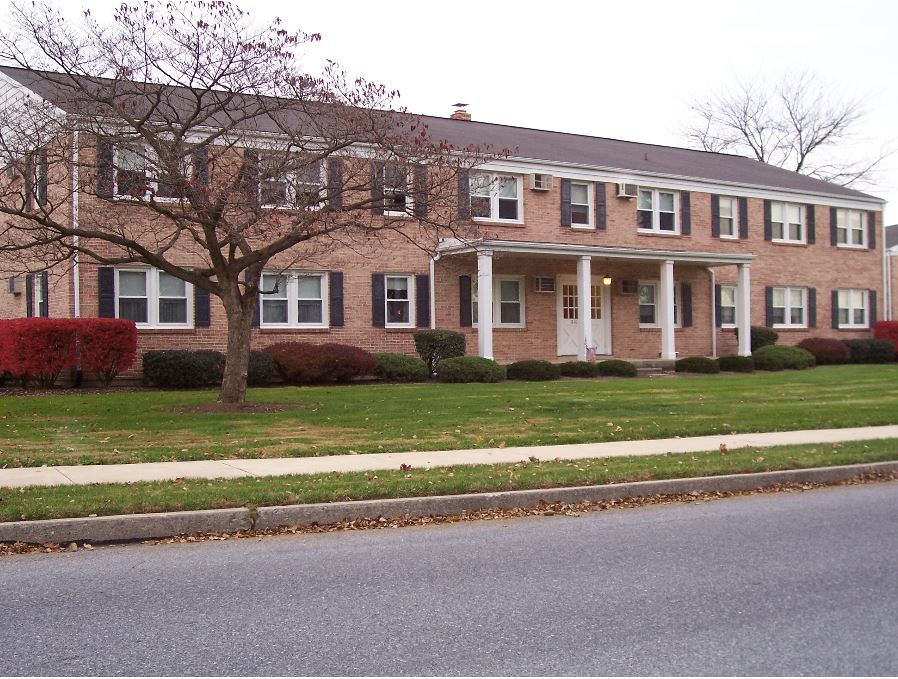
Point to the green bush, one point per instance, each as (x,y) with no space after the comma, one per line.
(762,337)
(736,364)
(435,345)
(697,364)
(792,358)
(871,350)
(469,369)
(261,370)
(533,371)
(616,368)
(579,369)
(401,368)
(211,363)
(180,369)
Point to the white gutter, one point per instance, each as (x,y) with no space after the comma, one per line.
(433,302)
(76,264)
(713,277)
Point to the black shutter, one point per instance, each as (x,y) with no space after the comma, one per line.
(768,305)
(249,176)
(464,194)
(812,307)
(601,212)
(872,301)
(871,230)
(835,309)
(44,305)
(378,300)
(686,304)
(718,320)
(743,217)
(685,214)
(768,226)
(833,227)
(420,191)
(106,297)
(105,169)
(465,317)
(43,177)
(335,298)
(715,216)
(29,296)
(335,182)
(811,223)
(422,300)
(28,184)
(377,187)
(565,202)
(202,313)
(200,159)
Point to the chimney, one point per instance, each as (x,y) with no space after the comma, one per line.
(460,113)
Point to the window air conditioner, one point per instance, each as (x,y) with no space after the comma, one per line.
(540,182)
(627,190)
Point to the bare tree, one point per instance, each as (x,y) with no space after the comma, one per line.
(194,143)
(794,122)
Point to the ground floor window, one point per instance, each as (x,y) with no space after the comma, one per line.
(649,299)
(790,307)
(294,299)
(153,298)
(508,301)
(853,309)
(728,306)
(399,300)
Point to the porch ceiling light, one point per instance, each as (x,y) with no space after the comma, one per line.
(606,280)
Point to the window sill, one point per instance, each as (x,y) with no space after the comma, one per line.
(498,222)
(853,327)
(794,243)
(790,327)
(582,227)
(722,237)
(666,234)
(843,246)
(292,328)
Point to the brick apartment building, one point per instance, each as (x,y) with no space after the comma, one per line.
(631,250)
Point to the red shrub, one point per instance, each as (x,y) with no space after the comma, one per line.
(887,330)
(827,351)
(38,348)
(305,363)
(108,346)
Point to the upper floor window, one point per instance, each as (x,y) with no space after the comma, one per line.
(293,299)
(729,226)
(853,311)
(287,182)
(152,298)
(850,228)
(787,222)
(397,193)
(495,197)
(656,211)
(138,174)
(581,201)
(790,307)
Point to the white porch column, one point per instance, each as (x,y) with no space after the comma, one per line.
(485,304)
(743,310)
(584,304)
(666,310)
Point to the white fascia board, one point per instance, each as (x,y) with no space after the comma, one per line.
(675,182)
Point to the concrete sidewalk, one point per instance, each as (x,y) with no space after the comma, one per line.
(219,469)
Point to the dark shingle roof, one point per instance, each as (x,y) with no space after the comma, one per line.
(550,146)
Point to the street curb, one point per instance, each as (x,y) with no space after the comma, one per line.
(169,524)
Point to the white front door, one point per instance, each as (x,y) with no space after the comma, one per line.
(569,336)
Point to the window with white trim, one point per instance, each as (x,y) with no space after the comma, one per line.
(301,186)
(787,223)
(293,299)
(399,300)
(851,231)
(853,309)
(508,302)
(649,298)
(656,210)
(727,306)
(153,298)
(137,174)
(581,205)
(396,190)
(729,225)
(495,197)
(790,307)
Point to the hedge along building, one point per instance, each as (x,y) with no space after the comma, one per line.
(565,245)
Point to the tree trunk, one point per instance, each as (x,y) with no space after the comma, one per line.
(239,314)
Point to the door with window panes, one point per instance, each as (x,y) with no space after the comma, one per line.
(569,336)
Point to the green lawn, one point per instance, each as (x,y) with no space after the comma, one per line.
(108,499)
(141,426)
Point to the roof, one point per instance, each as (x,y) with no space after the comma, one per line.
(892,236)
(541,145)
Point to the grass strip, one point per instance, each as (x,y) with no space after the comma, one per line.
(191,494)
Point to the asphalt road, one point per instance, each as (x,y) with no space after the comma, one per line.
(792,583)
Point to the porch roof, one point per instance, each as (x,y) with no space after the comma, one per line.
(456,246)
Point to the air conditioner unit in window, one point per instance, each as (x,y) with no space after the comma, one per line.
(627,190)
(544,284)
(541,182)
(14,285)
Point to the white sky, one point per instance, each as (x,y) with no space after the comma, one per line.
(621,69)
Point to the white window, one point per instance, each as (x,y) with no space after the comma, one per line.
(293,299)
(299,185)
(495,197)
(728,306)
(853,309)
(851,229)
(508,301)
(138,175)
(787,222)
(790,307)
(399,300)
(153,298)
(397,194)
(581,205)
(729,226)
(657,211)
(649,298)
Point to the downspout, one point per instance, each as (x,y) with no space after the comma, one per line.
(886,273)
(76,264)
(713,277)
(433,302)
